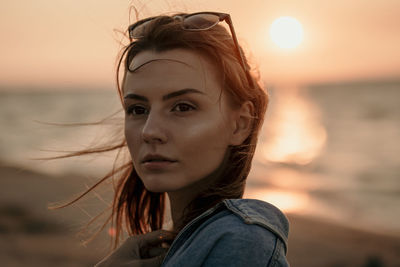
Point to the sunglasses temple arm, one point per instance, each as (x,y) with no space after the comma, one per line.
(239,52)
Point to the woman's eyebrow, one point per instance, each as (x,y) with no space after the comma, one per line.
(165,97)
(181,92)
(137,97)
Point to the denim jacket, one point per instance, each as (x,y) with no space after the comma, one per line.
(236,232)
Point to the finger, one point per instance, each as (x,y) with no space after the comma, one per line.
(156,238)
(149,251)
(138,245)
(160,234)
(151,238)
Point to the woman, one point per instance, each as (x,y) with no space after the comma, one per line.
(193,113)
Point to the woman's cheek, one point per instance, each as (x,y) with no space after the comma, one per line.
(132,137)
(204,136)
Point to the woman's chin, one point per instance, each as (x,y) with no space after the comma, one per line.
(157,187)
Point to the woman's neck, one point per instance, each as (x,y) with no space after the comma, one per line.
(180,199)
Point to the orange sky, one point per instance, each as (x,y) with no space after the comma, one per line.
(63,43)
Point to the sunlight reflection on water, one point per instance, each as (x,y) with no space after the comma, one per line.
(293,136)
(295,133)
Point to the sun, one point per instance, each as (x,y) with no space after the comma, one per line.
(286,32)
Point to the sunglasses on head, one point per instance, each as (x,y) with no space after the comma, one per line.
(200,21)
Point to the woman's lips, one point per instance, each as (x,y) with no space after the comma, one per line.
(158,165)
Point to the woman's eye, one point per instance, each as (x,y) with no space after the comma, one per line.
(136,110)
(183,107)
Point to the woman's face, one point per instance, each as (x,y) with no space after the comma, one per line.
(178,124)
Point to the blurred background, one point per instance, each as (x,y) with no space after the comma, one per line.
(328,154)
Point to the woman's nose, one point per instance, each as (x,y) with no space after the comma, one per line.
(154,130)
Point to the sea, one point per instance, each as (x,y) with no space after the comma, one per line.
(329,151)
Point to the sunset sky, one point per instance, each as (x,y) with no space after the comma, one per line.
(71,44)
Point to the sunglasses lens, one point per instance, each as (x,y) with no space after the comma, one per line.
(200,21)
(136,32)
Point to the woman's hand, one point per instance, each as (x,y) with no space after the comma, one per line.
(146,250)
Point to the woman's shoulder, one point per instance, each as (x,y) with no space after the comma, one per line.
(241,232)
(249,217)
(258,212)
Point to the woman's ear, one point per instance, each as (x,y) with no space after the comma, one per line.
(243,123)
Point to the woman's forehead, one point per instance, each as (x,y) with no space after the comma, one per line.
(190,59)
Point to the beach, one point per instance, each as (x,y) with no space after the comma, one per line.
(32,235)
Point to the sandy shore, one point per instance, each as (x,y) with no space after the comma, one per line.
(30,235)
